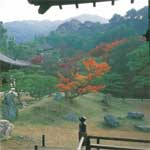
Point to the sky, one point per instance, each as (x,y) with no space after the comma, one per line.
(12,10)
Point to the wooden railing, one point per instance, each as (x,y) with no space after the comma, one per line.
(85,140)
(81,143)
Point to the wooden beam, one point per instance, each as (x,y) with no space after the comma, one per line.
(60,6)
(114,147)
(94,4)
(64,1)
(119,139)
(43,8)
(77,6)
(46,4)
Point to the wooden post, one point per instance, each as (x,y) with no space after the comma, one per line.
(43,140)
(82,128)
(149,22)
(87,144)
(94,4)
(98,142)
(35,147)
(113,2)
(60,6)
(77,6)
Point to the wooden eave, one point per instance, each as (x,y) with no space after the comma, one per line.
(46,4)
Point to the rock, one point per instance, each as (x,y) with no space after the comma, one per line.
(111,121)
(1,94)
(24,104)
(135,115)
(106,99)
(5,129)
(9,109)
(71,117)
(58,96)
(143,128)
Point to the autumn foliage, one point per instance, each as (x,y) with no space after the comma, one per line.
(38,59)
(104,49)
(77,83)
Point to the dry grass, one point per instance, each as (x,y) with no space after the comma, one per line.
(65,137)
(55,136)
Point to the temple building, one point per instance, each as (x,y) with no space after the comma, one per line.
(7,63)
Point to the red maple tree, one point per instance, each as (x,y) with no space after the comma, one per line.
(104,49)
(77,84)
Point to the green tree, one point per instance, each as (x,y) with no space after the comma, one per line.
(34,82)
(3,37)
(115,84)
(139,62)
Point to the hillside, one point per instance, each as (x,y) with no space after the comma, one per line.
(49,117)
(92,18)
(52,112)
(74,34)
(83,29)
(24,31)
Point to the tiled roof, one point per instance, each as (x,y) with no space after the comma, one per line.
(8,60)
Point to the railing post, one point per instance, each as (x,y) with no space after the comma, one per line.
(82,128)
(87,143)
(35,147)
(98,142)
(43,140)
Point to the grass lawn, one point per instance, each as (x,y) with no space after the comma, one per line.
(47,117)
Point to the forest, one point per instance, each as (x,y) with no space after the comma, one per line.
(120,44)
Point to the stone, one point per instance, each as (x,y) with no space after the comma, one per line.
(135,115)
(111,121)
(142,128)
(6,128)
(71,117)
(58,96)
(106,99)
(1,94)
(24,104)
(9,109)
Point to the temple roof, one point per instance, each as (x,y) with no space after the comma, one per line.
(46,4)
(10,61)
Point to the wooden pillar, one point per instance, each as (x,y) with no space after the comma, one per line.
(148,31)
(147,35)
(149,18)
